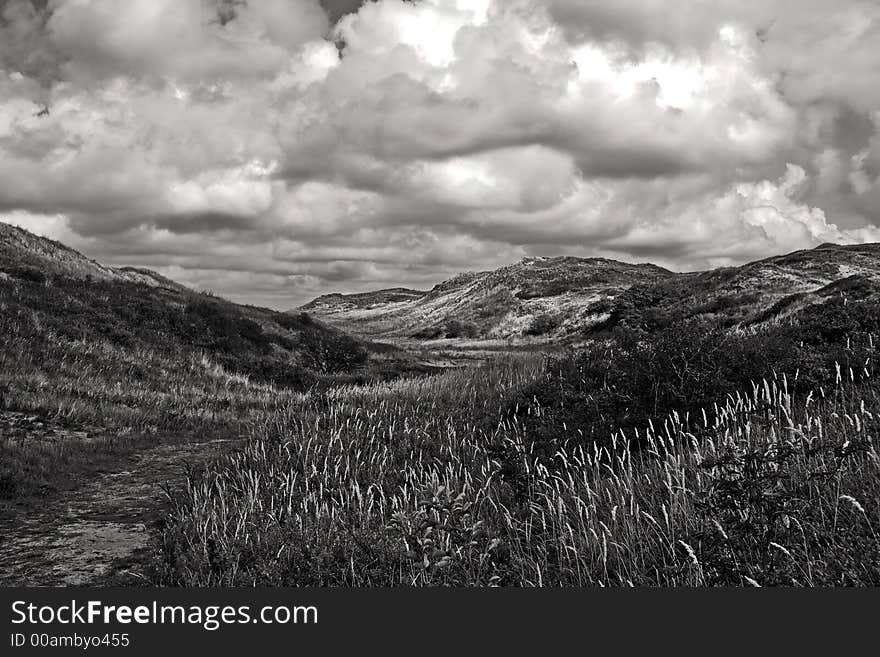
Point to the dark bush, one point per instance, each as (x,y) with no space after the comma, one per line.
(755,501)
(223,328)
(543,324)
(28,274)
(637,376)
(294,321)
(458,329)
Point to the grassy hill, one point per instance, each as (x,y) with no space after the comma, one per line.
(78,334)
(26,256)
(539,297)
(768,290)
(716,428)
(552,299)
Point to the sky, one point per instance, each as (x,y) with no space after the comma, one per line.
(274,150)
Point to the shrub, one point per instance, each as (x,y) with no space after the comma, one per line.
(637,376)
(543,324)
(759,519)
(223,328)
(28,274)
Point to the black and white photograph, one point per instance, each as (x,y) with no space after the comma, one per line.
(393,294)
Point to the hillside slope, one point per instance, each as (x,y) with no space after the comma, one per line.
(569,298)
(57,305)
(535,297)
(759,292)
(25,255)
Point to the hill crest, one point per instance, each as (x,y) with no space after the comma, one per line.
(31,254)
(546,296)
(562,297)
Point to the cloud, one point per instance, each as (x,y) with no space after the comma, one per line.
(274,150)
(23,46)
(818,48)
(745,221)
(198,40)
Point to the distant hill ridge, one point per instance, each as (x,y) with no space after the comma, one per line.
(552,298)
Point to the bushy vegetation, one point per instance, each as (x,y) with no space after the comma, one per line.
(132,360)
(656,365)
(683,455)
(267,346)
(685,445)
(543,324)
(413,484)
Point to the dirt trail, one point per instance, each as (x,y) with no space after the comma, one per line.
(99,533)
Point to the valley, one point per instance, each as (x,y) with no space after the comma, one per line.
(556,422)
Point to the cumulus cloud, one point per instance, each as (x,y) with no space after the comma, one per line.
(272,150)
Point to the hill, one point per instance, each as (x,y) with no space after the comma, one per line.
(25,255)
(564,298)
(768,290)
(548,297)
(64,313)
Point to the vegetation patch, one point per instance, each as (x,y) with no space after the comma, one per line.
(689,455)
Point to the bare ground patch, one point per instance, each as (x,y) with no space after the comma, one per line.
(98,533)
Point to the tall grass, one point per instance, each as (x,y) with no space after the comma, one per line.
(433,482)
(117,400)
(96,382)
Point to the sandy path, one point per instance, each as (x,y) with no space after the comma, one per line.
(99,533)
